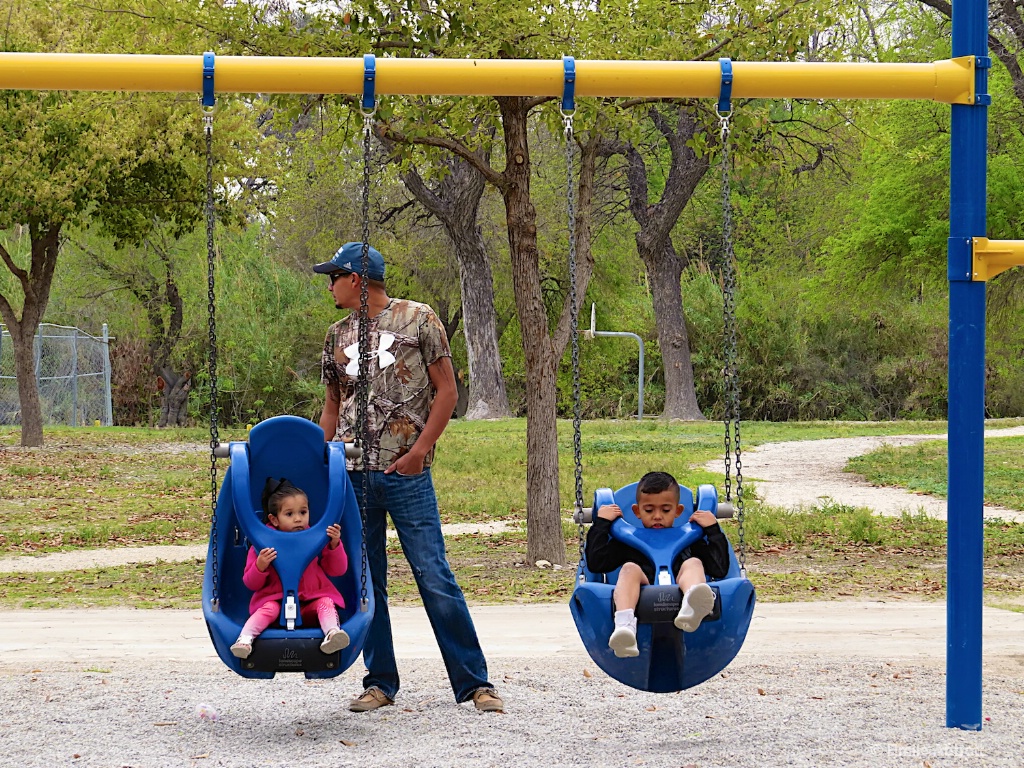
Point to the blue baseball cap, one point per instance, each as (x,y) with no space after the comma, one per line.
(349,258)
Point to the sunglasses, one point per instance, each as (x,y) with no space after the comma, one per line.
(335,275)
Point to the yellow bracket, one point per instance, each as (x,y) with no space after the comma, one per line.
(994,256)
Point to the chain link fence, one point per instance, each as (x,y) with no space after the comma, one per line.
(72,370)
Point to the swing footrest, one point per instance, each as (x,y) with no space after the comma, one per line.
(660,604)
(299,654)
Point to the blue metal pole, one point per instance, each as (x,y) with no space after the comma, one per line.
(966,460)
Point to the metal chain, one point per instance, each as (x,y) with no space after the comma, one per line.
(577,449)
(731,346)
(363,379)
(212,313)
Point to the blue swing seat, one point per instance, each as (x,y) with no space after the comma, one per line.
(669,660)
(291,447)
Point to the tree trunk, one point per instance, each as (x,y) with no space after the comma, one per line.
(543,510)
(654,245)
(174,398)
(456,203)
(488,398)
(23,338)
(35,285)
(664,273)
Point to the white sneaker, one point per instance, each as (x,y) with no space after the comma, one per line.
(242,647)
(698,602)
(623,642)
(336,640)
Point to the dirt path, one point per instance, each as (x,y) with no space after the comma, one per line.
(792,474)
(104,558)
(801,474)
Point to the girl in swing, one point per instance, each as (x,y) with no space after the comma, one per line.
(286,508)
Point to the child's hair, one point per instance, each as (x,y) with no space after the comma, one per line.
(656,482)
(274,491)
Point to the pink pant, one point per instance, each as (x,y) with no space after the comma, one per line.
(323,608)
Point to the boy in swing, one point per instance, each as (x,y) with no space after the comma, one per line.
(657,506)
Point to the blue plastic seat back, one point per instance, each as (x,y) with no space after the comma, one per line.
(669,660)
(291,447)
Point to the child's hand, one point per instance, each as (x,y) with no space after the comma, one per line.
(703,518)
(265,558)
(609,512)
(334,534)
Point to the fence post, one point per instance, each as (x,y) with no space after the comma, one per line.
(74,378)
(108,405)
(38,354)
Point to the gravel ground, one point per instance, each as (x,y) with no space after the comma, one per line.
(776,706)
(810,712)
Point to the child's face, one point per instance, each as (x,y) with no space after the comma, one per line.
(658,510)
(292,513)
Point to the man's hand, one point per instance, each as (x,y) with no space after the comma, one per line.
(265,558)
(410,463)
(609,511)
(703,518)
(334,534)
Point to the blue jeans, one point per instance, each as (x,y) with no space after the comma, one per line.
(411,502)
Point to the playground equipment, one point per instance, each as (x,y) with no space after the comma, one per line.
(961,82)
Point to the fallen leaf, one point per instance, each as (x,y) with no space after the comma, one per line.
(760,692)
(652,708)
(586,673)
(200,757)
(175,722)
(76,756)
(347,743)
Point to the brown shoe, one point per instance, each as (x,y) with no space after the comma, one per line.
(371,698)
(488,700)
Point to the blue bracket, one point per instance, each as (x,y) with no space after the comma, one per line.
(369,83)
(725,95)
(569,91)
(960,260)
(208,98)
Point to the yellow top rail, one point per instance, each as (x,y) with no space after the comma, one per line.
(949,81)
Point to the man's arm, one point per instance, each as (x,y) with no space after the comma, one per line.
(442,377)
(329,417)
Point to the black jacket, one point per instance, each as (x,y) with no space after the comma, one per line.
(605,554)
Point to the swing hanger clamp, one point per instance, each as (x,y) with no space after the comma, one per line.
(368,105)
(568,106)
(724,106)
(209,99)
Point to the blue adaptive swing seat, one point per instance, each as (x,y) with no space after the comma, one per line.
(669,660)
(291,447)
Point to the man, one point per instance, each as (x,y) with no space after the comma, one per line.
(411,397)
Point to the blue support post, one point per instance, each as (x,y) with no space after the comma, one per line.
(966,450)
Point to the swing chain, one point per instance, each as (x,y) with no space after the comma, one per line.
(363,381)
(577,450)
(732,380)
(211,308)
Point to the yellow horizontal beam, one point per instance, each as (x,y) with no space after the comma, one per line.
(950,81)
(994,256)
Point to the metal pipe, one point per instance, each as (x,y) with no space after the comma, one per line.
(640,385)
(965,529)
(949,81)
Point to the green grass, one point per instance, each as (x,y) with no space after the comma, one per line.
(90,488)
(922,468)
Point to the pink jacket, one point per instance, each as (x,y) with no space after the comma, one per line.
(313,585)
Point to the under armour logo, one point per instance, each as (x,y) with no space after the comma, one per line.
(384,357)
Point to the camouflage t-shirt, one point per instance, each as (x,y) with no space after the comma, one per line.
(405,338)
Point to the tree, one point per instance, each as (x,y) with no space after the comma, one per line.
(455,201)
(654,243)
